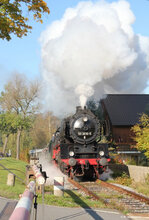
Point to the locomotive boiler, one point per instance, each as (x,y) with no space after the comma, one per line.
(76,147)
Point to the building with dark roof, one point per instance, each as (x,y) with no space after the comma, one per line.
(123,111)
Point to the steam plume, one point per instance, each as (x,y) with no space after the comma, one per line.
(51,170)
(92,50)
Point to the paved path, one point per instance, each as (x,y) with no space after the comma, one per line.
(6,208)
(45,212)
(61,213)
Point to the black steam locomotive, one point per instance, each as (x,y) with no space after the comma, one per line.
(76,148)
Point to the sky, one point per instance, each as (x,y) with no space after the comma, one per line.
(24,55)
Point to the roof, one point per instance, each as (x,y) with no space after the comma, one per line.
(126,109)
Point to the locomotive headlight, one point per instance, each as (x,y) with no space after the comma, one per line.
(101,153)
(85,119)
(71,153)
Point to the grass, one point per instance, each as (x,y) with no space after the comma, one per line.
(71,199)
(141,188)
(18,168)
(124,179)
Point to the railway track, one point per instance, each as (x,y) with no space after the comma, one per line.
(114,196)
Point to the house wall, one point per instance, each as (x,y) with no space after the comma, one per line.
(122,134)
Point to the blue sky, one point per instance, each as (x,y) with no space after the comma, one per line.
(23,55)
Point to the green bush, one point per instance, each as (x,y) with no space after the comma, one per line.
(122,178)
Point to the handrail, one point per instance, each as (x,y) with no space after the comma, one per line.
(12,173)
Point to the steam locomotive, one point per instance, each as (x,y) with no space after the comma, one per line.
(76,148)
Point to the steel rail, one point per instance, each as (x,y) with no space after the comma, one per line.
(87,191)
(114,204)
(125,191)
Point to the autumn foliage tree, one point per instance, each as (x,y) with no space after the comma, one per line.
(12,19)
(43,128)
(20,97)
(141,131)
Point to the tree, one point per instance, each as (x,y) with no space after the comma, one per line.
(141,131)
(7,126)
(20,97)
(21,123)
(43,128)
(12,19)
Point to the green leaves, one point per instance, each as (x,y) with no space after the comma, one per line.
(7,123)
(11,122)
(23,123)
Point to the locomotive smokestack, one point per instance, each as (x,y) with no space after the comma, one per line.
(78,108)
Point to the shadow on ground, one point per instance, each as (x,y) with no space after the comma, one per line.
(80,202)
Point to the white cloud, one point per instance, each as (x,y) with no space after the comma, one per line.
(92,45)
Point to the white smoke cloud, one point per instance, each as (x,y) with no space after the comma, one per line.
(84,91)
(51,170)
(92,49)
